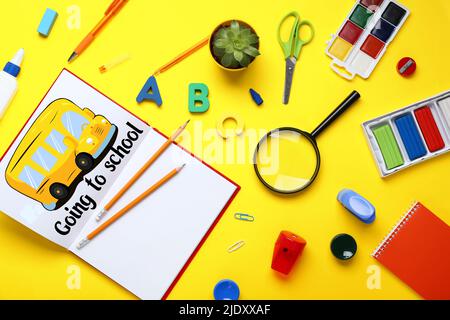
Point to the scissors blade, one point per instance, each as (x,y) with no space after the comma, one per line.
(290,67)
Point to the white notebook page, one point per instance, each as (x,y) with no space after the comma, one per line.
(146,248)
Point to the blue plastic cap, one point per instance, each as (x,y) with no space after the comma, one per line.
(226,290)
(12,69)
(357,205)
(256,97)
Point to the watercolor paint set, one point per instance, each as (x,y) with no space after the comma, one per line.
(364,36)
(410,135)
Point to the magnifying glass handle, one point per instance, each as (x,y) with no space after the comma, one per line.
(336,112)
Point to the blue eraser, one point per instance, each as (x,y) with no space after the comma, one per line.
(256,97)
(357,205)
(47,22)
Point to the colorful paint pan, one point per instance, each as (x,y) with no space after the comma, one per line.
(350,32)
(362,62)
(393,13)
(444,106)
(410,135)
(364,35)
(360,16)
(383,30)
(340,48)
(371,4)
(372,46)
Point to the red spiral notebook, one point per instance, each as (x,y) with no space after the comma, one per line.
(417,250)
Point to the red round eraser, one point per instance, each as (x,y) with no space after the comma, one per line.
(406,66)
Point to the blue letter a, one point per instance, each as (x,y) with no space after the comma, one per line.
(150,91)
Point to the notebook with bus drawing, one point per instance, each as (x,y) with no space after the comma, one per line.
(77,149)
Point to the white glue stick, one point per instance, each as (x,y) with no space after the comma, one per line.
(8,81)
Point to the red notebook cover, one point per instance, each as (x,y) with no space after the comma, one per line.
(417,250)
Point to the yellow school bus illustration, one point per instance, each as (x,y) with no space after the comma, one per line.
(64,143)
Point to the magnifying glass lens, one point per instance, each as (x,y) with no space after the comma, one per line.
(286,160)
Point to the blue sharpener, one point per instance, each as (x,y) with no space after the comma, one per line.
(357,205)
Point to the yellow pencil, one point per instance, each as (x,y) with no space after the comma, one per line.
(125,209)
(136,176)
(182,56)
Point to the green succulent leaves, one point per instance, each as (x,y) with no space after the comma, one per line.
(235,46)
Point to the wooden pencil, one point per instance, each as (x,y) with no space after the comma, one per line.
(129,206)
(182,56)
(137,175)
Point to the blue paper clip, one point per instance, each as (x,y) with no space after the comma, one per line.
(244,216)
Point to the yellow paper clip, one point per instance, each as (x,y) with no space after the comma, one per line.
(236,246)
(244,217)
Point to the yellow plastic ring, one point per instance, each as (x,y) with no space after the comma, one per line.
(226,133)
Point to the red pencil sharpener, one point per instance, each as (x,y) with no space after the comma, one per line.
(288,248)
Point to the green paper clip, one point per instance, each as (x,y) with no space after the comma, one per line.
(244,216)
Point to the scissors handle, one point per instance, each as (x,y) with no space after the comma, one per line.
(287,45)
(299,42)
(294,44)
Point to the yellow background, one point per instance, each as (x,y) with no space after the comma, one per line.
(155,31)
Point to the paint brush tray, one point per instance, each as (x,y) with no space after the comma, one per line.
(410,135)
(364,37)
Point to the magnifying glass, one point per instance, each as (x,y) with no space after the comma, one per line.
(287,160)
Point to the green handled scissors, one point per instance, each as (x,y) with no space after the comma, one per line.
(292,48)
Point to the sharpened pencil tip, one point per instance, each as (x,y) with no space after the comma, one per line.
(181,167)
(185,124)
(72,57)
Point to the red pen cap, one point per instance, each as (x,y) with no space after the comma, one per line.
(288,248)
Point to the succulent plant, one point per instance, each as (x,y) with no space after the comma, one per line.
(235,46)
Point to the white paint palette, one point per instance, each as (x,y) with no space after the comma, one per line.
(364,36)
(410,135)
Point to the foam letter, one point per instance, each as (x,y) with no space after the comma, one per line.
(198,94)
(150,91)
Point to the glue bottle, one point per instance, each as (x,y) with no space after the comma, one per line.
(8,81)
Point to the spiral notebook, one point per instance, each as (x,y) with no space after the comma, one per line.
(417,251)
